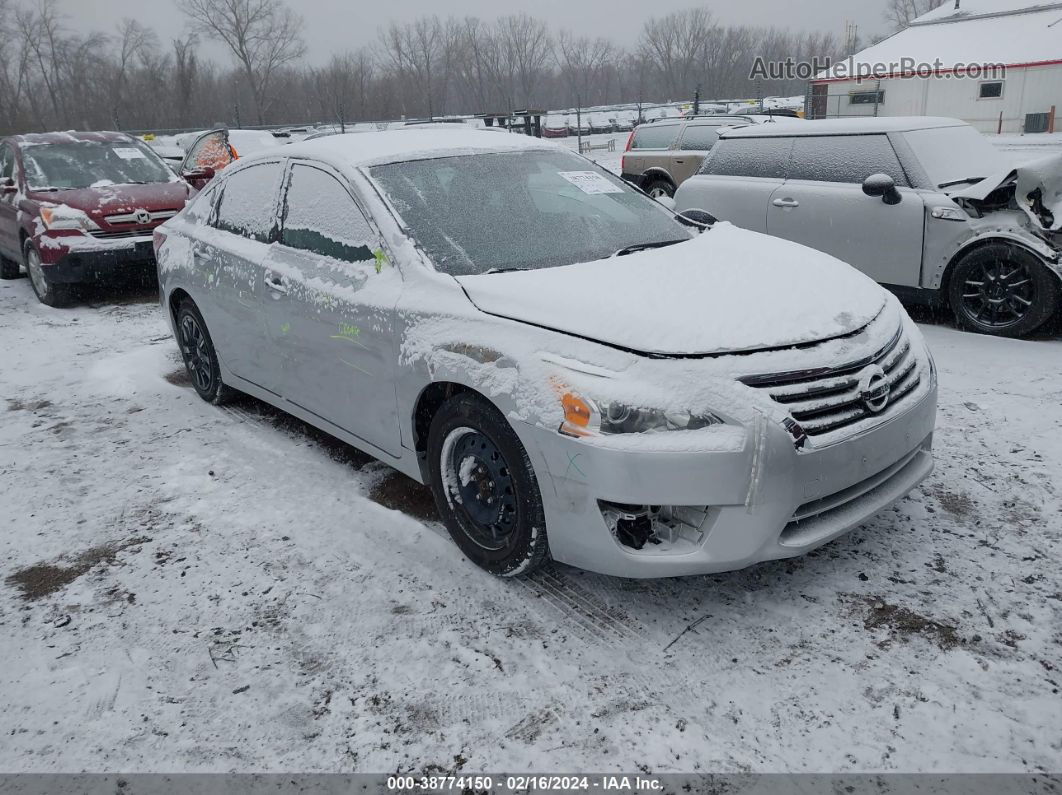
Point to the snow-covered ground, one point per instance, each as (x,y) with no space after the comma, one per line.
(186,587)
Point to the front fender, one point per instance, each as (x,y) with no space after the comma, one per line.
(982,231)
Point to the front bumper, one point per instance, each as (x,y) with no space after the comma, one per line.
(78,259)
(764,502)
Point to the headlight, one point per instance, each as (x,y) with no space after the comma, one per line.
(62,217)
(949,214)
(585,417)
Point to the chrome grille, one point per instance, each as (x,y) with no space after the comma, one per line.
(131,218)
(828,399)
(124,233)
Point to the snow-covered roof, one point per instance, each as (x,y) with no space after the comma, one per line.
(1009,32)
(848,126)
(362,149)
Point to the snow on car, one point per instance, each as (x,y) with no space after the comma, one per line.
(578,374)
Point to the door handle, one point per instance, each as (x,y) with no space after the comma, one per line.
(680,162)
(785,203)
(276,284)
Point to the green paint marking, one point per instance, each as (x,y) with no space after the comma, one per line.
(381,259)
(348,333)
(285,328)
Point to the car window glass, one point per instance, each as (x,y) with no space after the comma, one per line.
(7,162)
(844,158)
(320,216)
(199,208)
(749,157)
(699,137)
(247,202)
(210,151)
(654,136)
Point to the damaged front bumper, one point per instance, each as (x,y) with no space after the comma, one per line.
(719,511)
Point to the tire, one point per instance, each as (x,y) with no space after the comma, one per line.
(200,358)
(485,488)
(1004,290)
(9,269)
(54,295)
(659,187)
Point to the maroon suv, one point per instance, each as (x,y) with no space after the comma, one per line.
(81,207)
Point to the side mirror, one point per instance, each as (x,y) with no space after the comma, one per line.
(884,186)
(7,185)
(701,219)
(204,174)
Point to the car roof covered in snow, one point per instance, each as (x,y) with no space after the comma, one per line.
(374,148)
(859,126)
(1010,32)
(72,136)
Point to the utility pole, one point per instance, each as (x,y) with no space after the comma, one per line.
(697,99)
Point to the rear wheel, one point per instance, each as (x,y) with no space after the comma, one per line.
(485,488)
(200,358)
(47,293)
(660,188)
(1003,289)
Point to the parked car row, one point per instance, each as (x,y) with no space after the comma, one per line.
(576,371)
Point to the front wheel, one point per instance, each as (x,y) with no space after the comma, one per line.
(1003,289)
(47,293)
(485,488)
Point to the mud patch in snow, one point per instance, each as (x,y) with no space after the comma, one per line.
(44,579)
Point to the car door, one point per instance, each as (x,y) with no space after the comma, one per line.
(331,308)
(693,145)
(737,179)
(822,205)
(210,153)
(229,265)
(8,208)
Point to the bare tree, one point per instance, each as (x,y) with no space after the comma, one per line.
(135,43)
(415,52)
(262,35)
(525,47)
(678,44)
(582,62)
(902,13)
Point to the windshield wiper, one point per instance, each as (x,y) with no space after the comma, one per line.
(505,270)
(643,246)
(959,182)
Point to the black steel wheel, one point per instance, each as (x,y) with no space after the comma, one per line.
(197,351)
(485,487)
(1003,289)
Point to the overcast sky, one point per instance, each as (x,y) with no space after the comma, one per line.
(337,25)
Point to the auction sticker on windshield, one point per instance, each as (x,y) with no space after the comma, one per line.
(590,182)
(128,153)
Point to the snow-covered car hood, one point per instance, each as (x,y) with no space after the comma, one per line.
(1043,174)
(729,290)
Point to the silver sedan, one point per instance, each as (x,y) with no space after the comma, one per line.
(578,373)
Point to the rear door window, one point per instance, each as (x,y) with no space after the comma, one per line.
(845,158)
(699,137)
(321,217)
(654,136)
(248,202)
(749,157)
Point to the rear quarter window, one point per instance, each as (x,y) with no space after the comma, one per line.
(654,136)
(845,158)
(699,137)
(749,157)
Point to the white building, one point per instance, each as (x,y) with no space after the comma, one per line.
(922,70)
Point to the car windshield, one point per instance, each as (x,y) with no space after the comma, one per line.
(86,164)
(955,155)
(521,211)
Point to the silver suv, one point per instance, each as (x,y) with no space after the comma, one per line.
(925,206)
(662,155)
